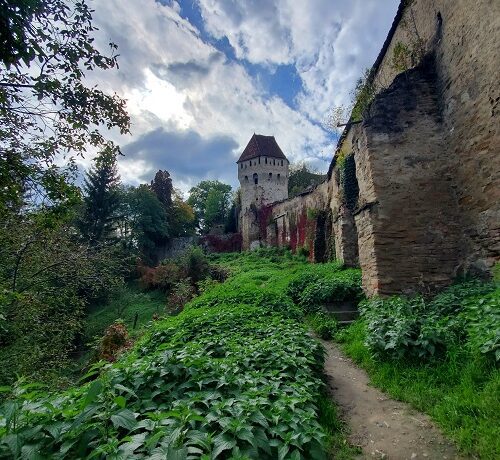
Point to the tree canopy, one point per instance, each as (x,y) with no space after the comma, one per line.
(211,201)
(46,109)
(301,177)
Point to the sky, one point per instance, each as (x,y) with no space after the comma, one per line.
(201,76)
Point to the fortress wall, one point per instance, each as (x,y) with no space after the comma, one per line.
(427,159)
(407,215)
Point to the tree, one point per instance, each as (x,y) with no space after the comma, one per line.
(149,223)
(182,219)
(211,201)
(101,200)
(301,177)
(46,110)
(161,186)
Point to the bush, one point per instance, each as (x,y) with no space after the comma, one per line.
(323,324)
(412,327)
(182,292)
(346,286)
(195,264)
(296,286)
(114,342)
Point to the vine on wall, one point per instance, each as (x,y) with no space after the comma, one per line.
(349,182)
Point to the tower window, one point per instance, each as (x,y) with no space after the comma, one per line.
(255,178)
(278,177)
(274,162)
(259,160)
(281,162)
(270,176)
(241,166)
(246,178)
(266,160)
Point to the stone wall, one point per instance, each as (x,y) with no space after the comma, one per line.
(426,160)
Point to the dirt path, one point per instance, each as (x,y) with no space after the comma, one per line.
(382,427)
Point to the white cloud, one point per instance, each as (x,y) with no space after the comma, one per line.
(175,81)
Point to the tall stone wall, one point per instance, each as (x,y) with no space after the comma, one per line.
(423,205)
(407,215)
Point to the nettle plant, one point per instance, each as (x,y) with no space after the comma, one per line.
(234,375)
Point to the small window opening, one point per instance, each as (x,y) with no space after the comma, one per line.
(255,178)
(259,160)
(266,160)
(270,176)
(281,162)
(278,177)
(246,178)
(274,162)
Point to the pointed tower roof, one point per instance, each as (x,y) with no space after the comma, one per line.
(260,145)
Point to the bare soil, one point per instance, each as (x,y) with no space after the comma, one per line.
(382,427)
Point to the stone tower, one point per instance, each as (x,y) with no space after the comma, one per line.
(262,172)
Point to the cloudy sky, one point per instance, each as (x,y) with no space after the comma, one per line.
(201,76)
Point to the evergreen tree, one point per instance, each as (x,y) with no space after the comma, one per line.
(101,200)
(161,185)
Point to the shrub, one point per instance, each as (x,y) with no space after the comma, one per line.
(323,324)
(166,276)
(346,286)
(412,327)
(195,264)
(114,342)
(182,292)
(297,285)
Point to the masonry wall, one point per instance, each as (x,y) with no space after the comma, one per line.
(427,159)
(407,215)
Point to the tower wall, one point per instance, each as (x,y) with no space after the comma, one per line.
(272,174)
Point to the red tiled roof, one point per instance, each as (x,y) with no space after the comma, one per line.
(261,146)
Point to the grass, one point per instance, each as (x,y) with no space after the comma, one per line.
(124,305)
(460,392)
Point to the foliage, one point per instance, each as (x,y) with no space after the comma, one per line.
(162,187)
(460,391)
(114,342)
(45,107)
(349,181)
(323,324)
(211,201)
(412,327)
(149,225)
(101,200)
(343,286)
(47,279)
(182,218)
(364,92)
(195,264)
(301,177)
(233,375)
(182,292)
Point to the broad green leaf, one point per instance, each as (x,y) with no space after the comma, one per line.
(124,419)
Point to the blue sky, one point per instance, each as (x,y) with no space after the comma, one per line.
(201,76)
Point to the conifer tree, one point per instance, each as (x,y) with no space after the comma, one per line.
(101,200)
(162,187)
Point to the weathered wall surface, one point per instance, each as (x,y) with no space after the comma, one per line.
(407,215)
(272,178)
(413,192)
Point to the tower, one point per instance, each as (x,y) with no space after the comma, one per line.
(262,172)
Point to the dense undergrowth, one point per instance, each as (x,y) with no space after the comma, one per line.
(440,355)
(234,375)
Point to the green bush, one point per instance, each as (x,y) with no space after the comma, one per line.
(412,327)
(323,324)
(345,286)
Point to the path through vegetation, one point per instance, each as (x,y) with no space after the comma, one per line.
(382,427)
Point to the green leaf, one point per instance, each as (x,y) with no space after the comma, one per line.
(94,390)
(222,442)
(120,401)
(124,419)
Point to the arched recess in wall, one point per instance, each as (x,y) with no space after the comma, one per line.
(348,236)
